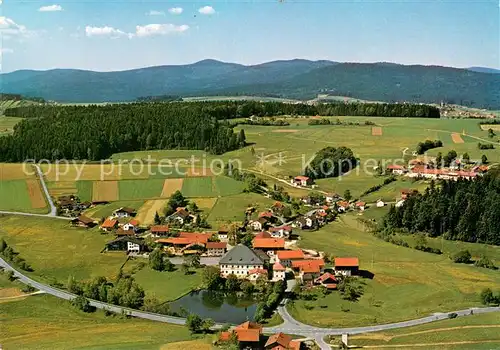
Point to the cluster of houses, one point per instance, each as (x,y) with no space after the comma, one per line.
(418,169)
(249,336)
(71,205)
(269,260)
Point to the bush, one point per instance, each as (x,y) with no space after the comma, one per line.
(485,262)
(28,289)
(462,257)
(82,303)
(453,315)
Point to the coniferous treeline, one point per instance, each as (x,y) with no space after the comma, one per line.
(245,109)
(96,132)
(460,210)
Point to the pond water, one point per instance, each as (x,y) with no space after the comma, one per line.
(220,307)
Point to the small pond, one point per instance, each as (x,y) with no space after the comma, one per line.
(220,307)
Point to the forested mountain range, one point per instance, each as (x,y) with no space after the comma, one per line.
(300,79)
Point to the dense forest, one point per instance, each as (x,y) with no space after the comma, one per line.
(246,109)
(457,210)
(331,162)
(96,132)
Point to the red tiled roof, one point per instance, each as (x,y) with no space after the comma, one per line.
(330,285)
(310,268)
(343,204)
(347,262)
(299,263)
(263,234)
(159,228)
(266,214)
(186,238)
(279,339)
(249,325)
(248,335)
(290,254)
(360,204)
(134,222)
(325,277)
(269,243)
(216,245)
(323,214)
(109,223)
(395,167)
(285,228)
(259,271)
(278,204)
(278,267)
(301,178)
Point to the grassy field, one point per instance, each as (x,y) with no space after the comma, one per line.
(406,283)
(7,125)
(45,322)
(471,332)
(160,284)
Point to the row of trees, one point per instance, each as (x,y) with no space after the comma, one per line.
(96,132)
(458,210)
(331,162)
(9,254)
(324,121)
(423,147)
(124,291)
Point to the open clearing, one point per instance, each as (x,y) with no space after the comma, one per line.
(41,322)
(105,191)
(7,124)
(36,196)
(406,283)
(285,130)
(376,131)
(16,172)
(146,213)
(457,138)
(170,186)
(197,172)
(471,330)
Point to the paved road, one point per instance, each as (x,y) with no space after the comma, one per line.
(53,209)
(290,325)
(36,215)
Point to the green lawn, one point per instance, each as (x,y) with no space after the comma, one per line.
(84,190)
(167,286)
(198,187)
(226,186)
(407,283)
(15,196)
(482,331)
(140,189)
(56,250)
(45,322)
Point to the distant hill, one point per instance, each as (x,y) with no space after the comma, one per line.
(299,79)
(485,70)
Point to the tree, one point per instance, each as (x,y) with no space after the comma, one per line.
(81,303)
(485,262)
(157,219)
(211,277)
(3,245)
(466,157)
(462,257)
(439,160)
(156,260)
(487,296)
(232,283)
(194,323)
(177,200)
(347,195)
(185,269)
(207,324)
(484,159)
(247,287)
(73,286)
(169,266)
(194,261)
(421,241)
(232,234)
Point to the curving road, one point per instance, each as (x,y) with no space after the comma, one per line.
(53,209)
(290,325)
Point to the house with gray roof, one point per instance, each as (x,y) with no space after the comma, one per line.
(239,261)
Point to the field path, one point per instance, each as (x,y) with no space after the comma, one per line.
(290,325)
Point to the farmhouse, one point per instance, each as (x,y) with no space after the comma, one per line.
(259,224)
(109,225)
(216,248)
(301,181)
(122,232)
(380,203)
(132,225)
(240,261)
(346,266)
(185,240)
(360,205)
(281,341)
(396,169)
(281,231)
(331,197)
(269,245)
(181,216)
(327,280)
(222,235)
(405,193)
(255,274)
(286,257)
(342,206)
(128,244)
(83,221)
(279,272)
(309,270)
(248,335)
(124,212)
(160,230)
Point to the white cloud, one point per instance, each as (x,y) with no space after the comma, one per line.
(206,10)
(105,31)
(159,29)
(50,8)
(156,13)
(9,28)
(176,10)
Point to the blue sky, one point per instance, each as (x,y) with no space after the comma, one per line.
(122,34)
